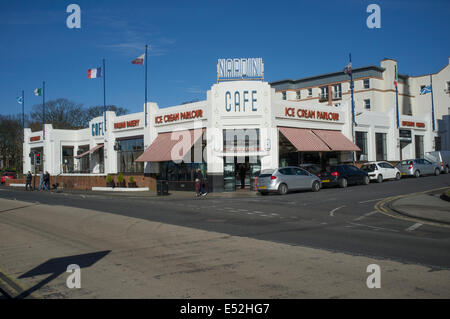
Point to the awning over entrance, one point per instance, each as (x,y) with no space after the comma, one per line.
(92,150)
(304,139)
(307,140)
(336,140)
(164,148)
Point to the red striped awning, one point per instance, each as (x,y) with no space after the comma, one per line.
(171,146)
(92,150)
(304,139)
(336,140)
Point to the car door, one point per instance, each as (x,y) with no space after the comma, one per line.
(353,174)
(388,170)
(429,166)
(286,177)
(302,178)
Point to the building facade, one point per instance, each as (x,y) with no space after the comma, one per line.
(245,126)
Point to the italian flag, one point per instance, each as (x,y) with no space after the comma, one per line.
(38,92)
(395,77)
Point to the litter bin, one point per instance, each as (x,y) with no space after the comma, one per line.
(162,187)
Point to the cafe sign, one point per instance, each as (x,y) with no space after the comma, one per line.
(307,114)
(413,124)
(126,124)
(240,69)
(178,117)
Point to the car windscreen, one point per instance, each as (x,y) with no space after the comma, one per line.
(369,167)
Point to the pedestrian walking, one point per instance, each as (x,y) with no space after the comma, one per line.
(201,181)
(47,180)
(28,181)
(41,181)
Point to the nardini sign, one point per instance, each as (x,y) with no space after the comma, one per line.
(240,68)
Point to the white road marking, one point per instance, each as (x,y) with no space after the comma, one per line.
(365,215)
(258,212)
(376,228)
(334,210)
(413,227)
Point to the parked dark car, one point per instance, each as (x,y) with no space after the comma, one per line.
(343,175)
(312,168)
(8,175)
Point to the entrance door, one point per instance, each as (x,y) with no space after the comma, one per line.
(229,177)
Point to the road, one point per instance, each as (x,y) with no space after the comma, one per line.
(295,246)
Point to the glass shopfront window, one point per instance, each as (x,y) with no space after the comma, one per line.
(67,159)
(381,147)
(361,142)
(181,172)
(128,151)
(83,162)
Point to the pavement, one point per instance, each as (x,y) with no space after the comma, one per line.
(429,207)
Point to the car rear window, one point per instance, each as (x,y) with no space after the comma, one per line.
(266,173)
(368,167)
(406,162)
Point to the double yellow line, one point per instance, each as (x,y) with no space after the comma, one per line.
(380,207)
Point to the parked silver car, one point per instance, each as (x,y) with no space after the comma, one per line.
(442,158)
(417,167)
(285,179)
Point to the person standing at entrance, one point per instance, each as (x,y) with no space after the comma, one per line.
(41,181)
(28,182)
(46,181)
(242,172)
(201,180)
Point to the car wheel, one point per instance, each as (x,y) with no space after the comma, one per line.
(366,180)
(437,171)
(282,189)
(315,186)
(417,174)
(343,183)
(379,178)
(398,176)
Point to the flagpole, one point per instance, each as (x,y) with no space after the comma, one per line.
(145,61)
(23,115)
(397,111)
(43,110)
(353,107)
(432,101)
(104,94)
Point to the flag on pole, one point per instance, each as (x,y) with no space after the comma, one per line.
(19,100)
(95,73)
(139,60)
(348,68)
(395,77)
(38,92)
(425,90)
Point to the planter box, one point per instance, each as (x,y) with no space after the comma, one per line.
(121,184)
(110,184)
(132,185)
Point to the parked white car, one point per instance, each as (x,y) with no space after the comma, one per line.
(380,171)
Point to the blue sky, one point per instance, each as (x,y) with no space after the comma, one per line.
(295,39)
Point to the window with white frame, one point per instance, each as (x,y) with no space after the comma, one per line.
(323,93)
(298,95)
(310,92)
(337,91)
(284,95)
(448,86)
(366,83)
(367,104)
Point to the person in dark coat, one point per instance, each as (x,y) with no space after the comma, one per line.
(201,181)
(28,182)
(47,181)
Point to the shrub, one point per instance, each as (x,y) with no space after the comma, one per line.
(131,179)
(120,178)
(109,179)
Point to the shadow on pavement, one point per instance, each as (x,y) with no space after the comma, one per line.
(58,266)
